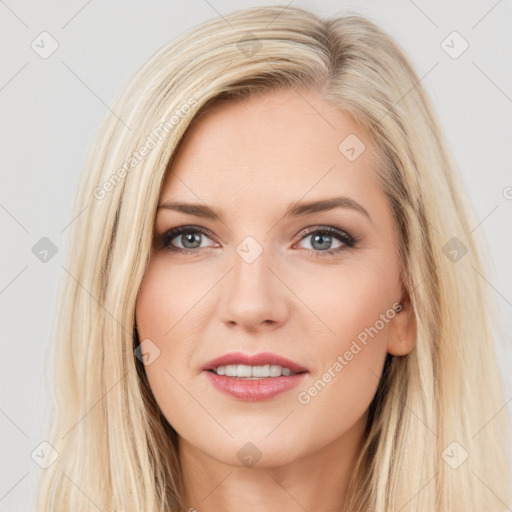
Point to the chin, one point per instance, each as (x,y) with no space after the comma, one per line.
(252,447)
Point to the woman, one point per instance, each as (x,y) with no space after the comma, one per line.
(273,299)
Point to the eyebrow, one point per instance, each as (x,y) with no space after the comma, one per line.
(296,209)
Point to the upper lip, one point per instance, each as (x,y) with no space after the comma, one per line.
(261,359)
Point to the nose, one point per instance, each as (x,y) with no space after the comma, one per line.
(253,295)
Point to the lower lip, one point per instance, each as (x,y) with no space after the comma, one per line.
(253,389)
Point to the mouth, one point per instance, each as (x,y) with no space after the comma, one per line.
(264,364)
(243,371)
(253,377)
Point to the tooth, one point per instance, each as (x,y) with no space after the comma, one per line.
(243,370)
(261,371)
(275,370)
(230,370)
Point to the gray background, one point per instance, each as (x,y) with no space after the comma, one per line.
(51,108)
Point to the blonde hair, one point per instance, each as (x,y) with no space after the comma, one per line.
(116,450)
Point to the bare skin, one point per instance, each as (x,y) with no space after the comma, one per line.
(249,161)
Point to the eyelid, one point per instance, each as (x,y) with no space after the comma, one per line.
(325,228)
(178,230)
(346,239)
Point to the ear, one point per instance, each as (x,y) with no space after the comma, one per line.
(402,329)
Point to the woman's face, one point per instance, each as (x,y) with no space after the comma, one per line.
(299,261)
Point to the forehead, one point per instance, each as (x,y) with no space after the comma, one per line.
(281,145)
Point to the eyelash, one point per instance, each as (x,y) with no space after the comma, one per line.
(348,240)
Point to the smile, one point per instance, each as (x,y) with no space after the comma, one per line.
(253,377)
(243,371)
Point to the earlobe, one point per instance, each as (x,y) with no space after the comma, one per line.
(402,330)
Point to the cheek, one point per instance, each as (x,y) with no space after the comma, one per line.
(157,314)
(160,301)
(350,354)
(168,324)
(351,301)
(168,298)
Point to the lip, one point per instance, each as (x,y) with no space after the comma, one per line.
(261,359)
(253,390)
(257,389)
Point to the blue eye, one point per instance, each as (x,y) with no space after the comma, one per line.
(191,238)
(321,240)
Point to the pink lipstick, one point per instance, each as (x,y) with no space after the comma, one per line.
(253,377)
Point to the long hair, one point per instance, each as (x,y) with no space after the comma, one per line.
(435,438)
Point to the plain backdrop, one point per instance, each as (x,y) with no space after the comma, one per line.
(51,108)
